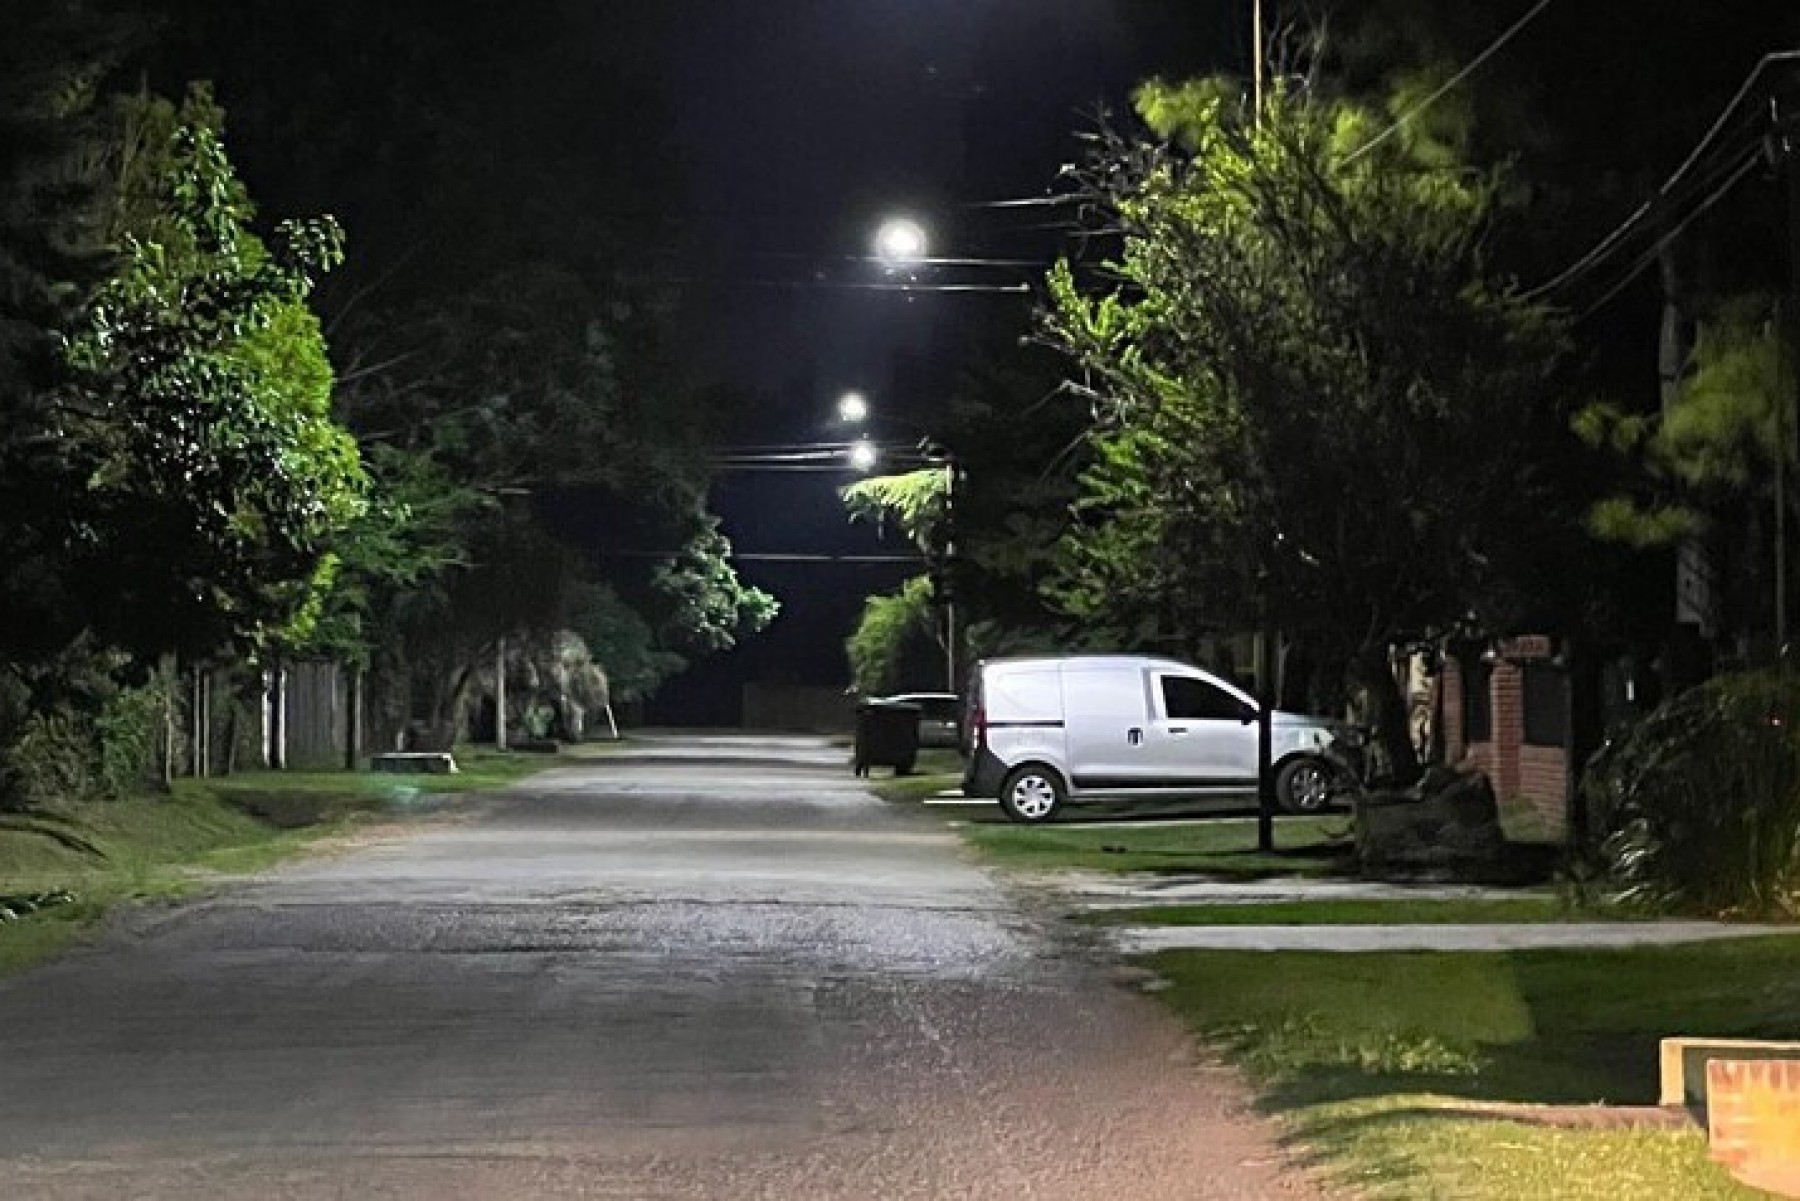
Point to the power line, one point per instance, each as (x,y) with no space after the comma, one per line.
(1597,254)
(1493,48)
(1649,256)
(1020,289)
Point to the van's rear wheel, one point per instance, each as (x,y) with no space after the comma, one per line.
(1032,794)
(1304,785)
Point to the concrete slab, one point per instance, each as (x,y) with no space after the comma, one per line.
(1147,940)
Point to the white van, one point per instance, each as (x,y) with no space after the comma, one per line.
(1043,731)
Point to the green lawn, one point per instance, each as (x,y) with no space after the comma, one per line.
(1400,1148)
(1224,847)
(160,846)
(1358,1048)
(1422,912)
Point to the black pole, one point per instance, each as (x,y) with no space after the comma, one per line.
(1265,741)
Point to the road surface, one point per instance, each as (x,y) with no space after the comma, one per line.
(705,968)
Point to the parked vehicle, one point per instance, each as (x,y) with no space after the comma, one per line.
(940,716)
(1042,732)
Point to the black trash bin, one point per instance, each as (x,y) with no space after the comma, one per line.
(887,735)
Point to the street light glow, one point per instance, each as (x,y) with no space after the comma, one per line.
(900,240)
(853,408)
(863,455)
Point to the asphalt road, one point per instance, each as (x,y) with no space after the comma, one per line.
(707,968)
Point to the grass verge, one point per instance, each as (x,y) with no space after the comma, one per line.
(164,846)
(1428,911)
(1305,846)
(1369,1054)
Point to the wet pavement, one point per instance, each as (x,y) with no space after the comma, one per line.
(706,967)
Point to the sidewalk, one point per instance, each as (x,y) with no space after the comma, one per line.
(1148,940)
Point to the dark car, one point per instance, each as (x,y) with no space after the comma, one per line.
(940,717)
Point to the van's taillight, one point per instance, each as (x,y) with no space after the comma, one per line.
(978,726)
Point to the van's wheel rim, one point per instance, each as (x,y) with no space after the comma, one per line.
(1309,787)
(1034,797)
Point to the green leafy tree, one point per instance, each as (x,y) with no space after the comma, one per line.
(892,624)
(1703,468)
(199,408)
(708,607)
(1316,405)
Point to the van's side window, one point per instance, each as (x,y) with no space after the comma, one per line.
(1189,699)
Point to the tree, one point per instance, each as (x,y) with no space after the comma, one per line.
(892,624)
(197,420)
(54,193)
(1316,405)
(1704,467)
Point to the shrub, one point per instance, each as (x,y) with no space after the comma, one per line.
(1697,808)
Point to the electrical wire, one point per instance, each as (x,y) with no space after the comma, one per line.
(1664,198)
(1649,256)
(1474,64)
(1595,256)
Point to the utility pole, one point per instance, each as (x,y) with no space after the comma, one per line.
(500,693)
(1256,58)
(1787,134)
(952,470)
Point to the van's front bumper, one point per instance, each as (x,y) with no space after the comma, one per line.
(983,774)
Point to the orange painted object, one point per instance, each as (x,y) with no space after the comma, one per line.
(1753,1121)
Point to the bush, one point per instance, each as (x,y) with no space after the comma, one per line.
(1697,808)
(97,742)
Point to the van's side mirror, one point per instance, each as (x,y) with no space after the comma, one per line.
(1247,713)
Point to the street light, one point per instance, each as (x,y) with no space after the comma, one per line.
(853,408)
(900,241)
(864,455)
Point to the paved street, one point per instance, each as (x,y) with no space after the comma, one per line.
(704,968)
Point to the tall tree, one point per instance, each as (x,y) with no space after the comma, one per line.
(198,413)
(1317,407)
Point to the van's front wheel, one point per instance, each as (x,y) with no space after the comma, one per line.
(1304,785)
(1032,794)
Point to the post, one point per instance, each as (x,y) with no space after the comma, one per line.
(1265,740)
(278,718)
(353,718)
(500,693)
(1256,58)
(951,471)
(1785,377)
(196,715)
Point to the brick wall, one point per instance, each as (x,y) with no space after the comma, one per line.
(1535,774)
(1508,726)
(1450,710)
(1753,1120)
(1544,781)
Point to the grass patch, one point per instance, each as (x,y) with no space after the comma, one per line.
(1224,847)
(1401,1148)
(1426,911)
(936,769)
(164,846)
(1346,1044)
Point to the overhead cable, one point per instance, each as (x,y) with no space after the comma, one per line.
(1596,255)
(1493,48)
(1649,256)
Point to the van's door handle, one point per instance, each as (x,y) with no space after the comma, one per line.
(1134,736)
(1178,729)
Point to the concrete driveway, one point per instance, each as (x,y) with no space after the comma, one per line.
(706,967)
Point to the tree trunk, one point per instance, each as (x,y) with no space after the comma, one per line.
(1372,670)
